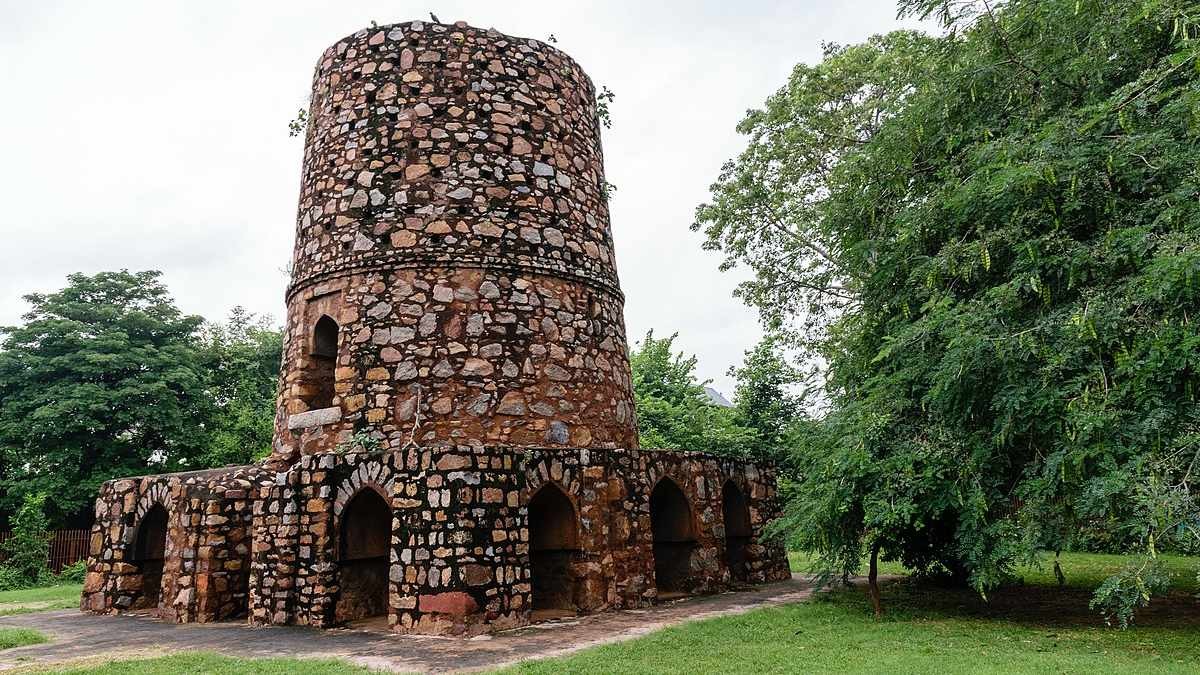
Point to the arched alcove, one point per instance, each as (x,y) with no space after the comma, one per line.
(553,544)
(364,546)
(674,538)
(318,389)
(736,513)
(149,551)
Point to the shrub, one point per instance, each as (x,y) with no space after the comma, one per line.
(28,550)
(11,579)
(73,573)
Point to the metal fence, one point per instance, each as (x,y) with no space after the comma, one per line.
(66,547)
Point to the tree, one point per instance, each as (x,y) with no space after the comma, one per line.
(672,408)
(767,206)
(241,360)
(102,380)
(764,401)
(991,239)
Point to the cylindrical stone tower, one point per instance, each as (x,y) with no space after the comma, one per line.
(453,279)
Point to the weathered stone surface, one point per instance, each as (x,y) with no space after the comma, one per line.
(456,604)
(426,170)
(282,535)
(314,418)
(454,310)
(206,511)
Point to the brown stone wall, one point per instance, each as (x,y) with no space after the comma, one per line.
(611,492)
(296,533)
(205,567)
(452,222)
(454,559)
(460,561)
(468,357)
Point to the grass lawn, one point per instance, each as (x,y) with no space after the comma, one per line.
(39,599)
(208,663)
(1034,627)
(19,637)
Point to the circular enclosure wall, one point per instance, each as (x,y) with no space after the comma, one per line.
(453,226)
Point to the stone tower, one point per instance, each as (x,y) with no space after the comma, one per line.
(453,279)
(454,298)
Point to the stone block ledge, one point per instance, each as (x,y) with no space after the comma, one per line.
(314,418)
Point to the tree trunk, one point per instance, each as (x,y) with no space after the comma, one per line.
(873,581)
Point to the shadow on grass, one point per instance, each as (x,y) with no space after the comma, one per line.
(1028,605)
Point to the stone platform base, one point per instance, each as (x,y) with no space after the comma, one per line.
(448,540)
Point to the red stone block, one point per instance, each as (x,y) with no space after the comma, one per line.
(454,603)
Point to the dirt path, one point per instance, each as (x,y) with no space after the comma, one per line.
(77,636)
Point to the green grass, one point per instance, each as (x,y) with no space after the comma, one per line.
(28,600)
(19,637)
(197,663)
(1032,627)
(802,562)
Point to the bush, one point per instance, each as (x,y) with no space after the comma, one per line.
(1101,536)
(28,550)
(11,579)
(73,573)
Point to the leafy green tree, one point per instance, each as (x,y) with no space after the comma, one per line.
(672,407)
(768,205)
(766,402)
(992,239)
(102,380)
(241,360)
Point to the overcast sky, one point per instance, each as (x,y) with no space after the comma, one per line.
(153,135)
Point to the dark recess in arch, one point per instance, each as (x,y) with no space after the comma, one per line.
(364,545)
(736,515)
(553,545)
(149,551)
(323,360)
(674,538)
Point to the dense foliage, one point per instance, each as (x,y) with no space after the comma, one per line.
(102,380)
(674,411)
(107,378)
(26,554)
(241,361)
(766,401)
(991,238)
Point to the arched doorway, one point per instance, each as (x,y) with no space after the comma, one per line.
(364,546)
(553,544)
(149,550)
(319,378)
(737,530)
(674,538)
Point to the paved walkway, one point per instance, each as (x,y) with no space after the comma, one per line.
(75,635)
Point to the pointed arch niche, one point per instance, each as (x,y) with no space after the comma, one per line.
(553,545)
(318,390)
(674,538)
(364,547)
(149,552)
